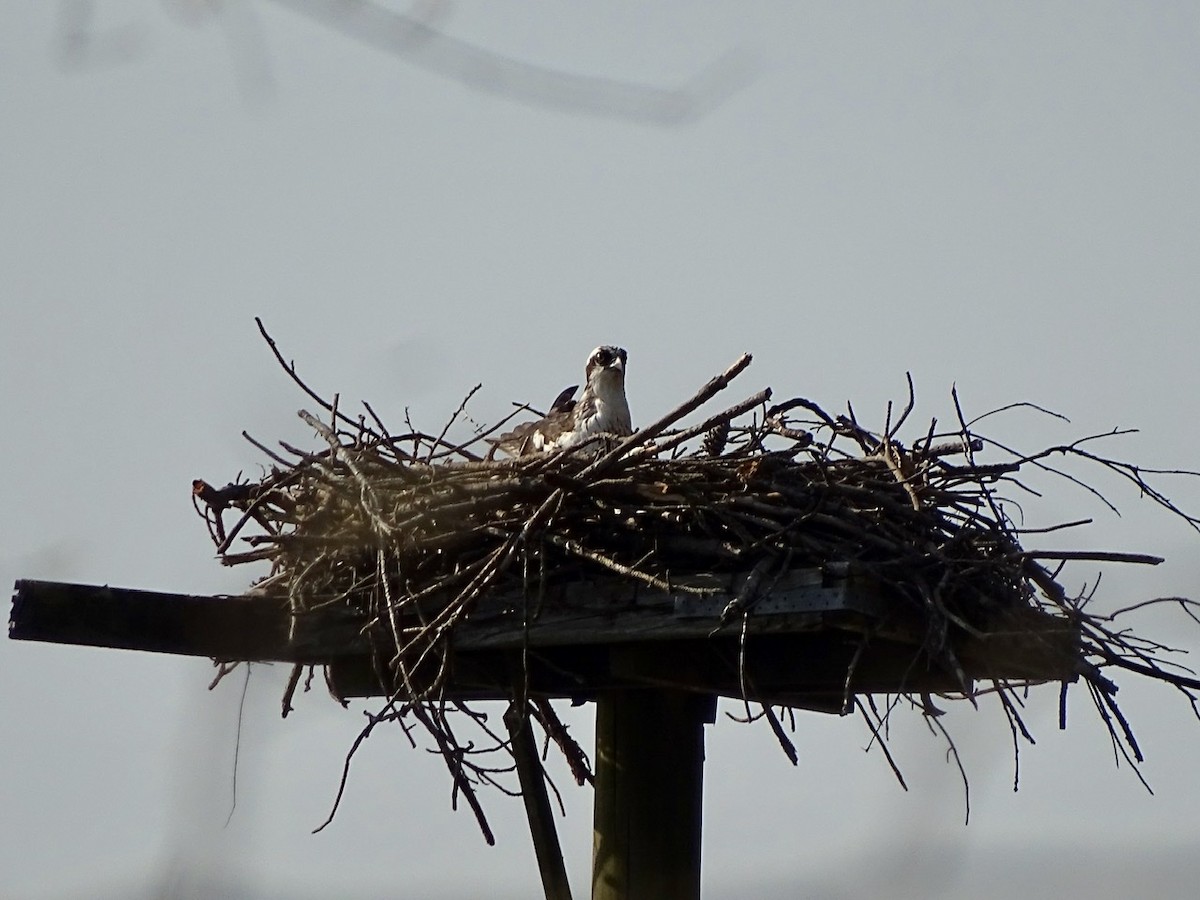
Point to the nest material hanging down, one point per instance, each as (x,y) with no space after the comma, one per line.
(408,532)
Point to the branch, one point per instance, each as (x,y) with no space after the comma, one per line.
(706,393)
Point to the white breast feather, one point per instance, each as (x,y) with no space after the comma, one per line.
(602,410)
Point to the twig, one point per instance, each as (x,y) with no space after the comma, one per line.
(290,368)
(708,424)
(713,387)
(1143,559)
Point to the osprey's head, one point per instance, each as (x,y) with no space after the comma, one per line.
(607,363)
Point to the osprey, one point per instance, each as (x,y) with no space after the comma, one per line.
(600,409)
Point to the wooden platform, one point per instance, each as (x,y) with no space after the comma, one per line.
(817,639)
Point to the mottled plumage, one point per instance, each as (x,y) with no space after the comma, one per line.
(600,409)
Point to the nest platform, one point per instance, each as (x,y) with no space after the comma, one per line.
(795,559)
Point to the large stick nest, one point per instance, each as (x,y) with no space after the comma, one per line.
(408,531)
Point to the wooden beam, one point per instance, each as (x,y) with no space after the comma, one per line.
(537,803)
(649,795)
(262,628)
(587,638)
(1024,644)
(226,628)
(594,612)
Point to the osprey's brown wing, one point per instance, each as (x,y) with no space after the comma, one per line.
(531,437)
(565,401)
(524,439)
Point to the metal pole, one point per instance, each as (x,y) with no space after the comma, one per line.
(649,794)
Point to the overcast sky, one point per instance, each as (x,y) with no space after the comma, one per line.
(1006,198)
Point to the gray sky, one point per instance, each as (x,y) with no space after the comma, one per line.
(1001,197)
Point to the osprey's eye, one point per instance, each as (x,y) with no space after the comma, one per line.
(604,357)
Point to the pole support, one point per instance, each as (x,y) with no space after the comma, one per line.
(649,794)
